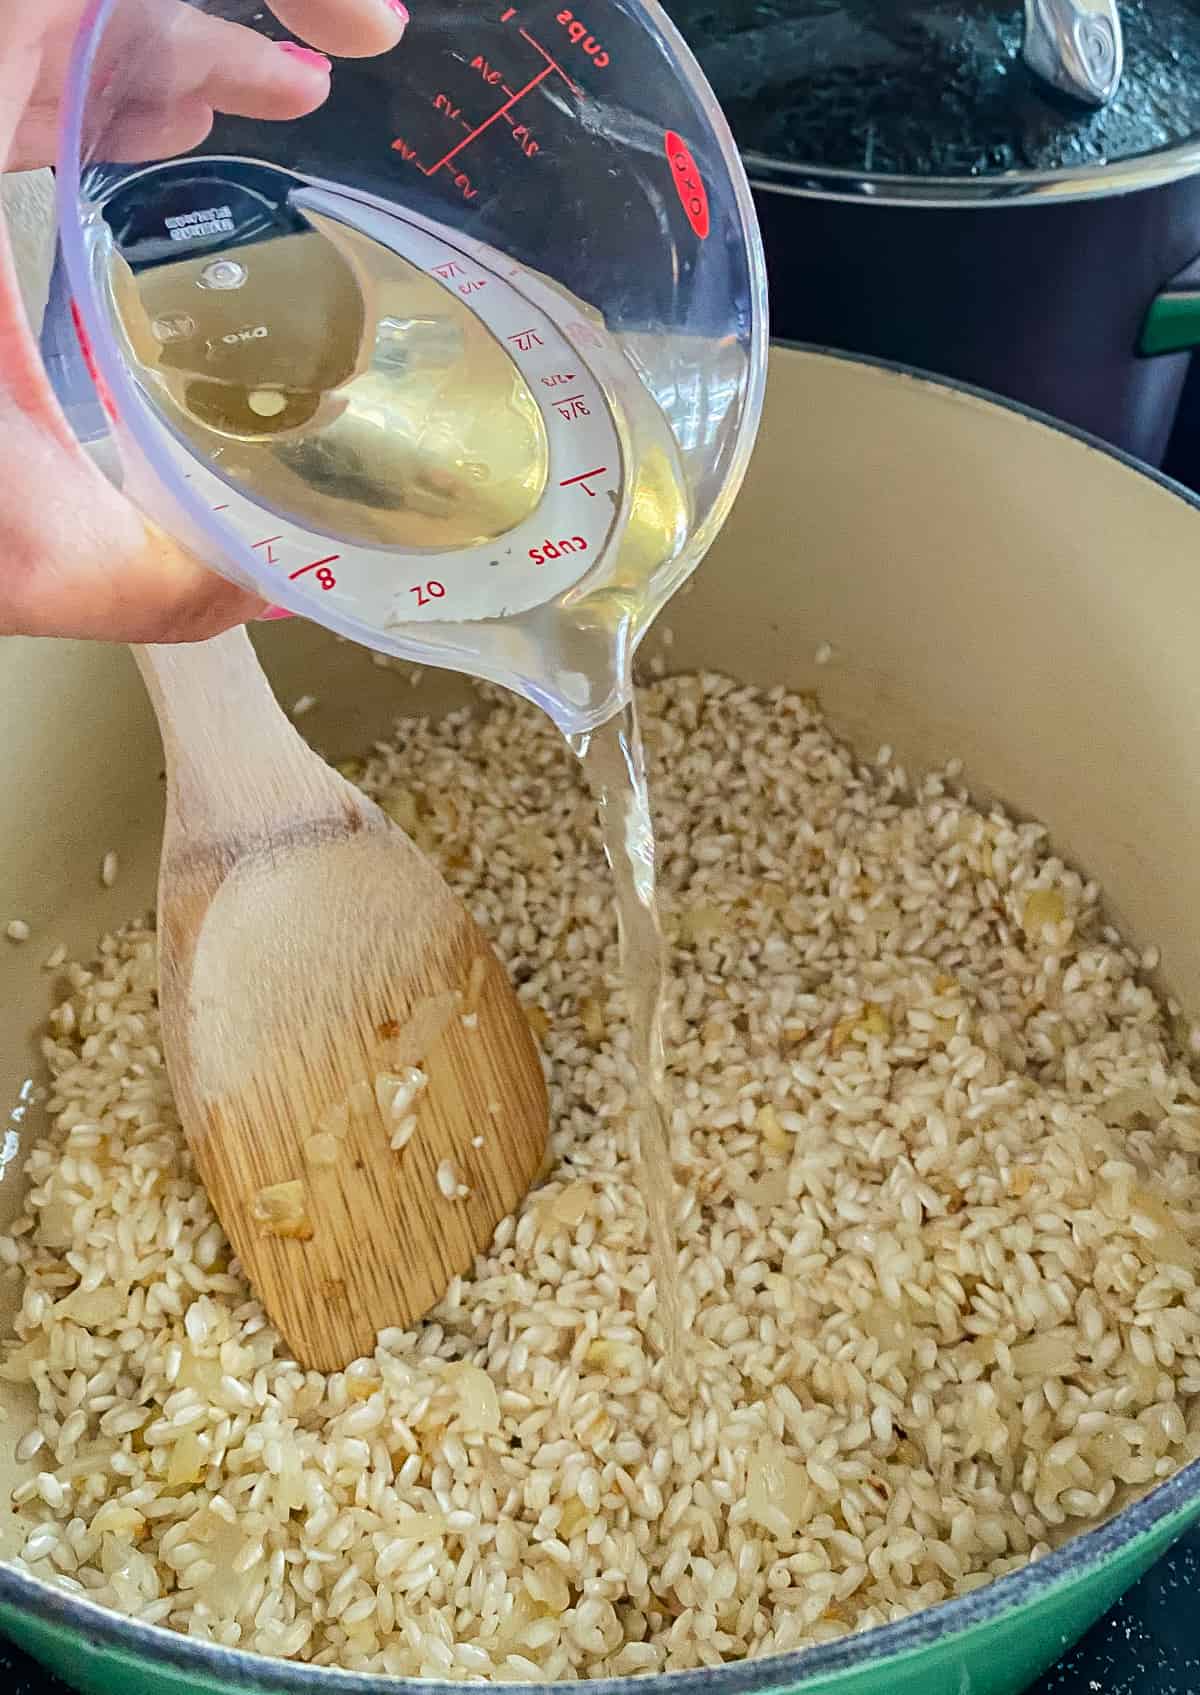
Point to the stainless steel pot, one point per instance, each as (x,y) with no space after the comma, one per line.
(925,197)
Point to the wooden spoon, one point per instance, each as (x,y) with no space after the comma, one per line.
(308,953)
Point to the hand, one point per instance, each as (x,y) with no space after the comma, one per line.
(77,558)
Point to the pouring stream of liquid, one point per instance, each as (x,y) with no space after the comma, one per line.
(613,761)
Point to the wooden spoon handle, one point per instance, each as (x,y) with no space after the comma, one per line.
(232,754)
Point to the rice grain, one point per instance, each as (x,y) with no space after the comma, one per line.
(936,1146)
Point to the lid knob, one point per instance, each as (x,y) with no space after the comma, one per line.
(1075,47)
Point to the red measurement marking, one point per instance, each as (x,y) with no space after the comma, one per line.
(571,408)
(425,592)
(488,122)
(511,13)
(452,269)
(689,185)
(552,62)
(582,479)
(558,379)
(269,543)
(441,103)
(85,347)
(223,508)
(407,153)
(555,549)
(577,32)
(472,285)
(526,340)
(491,77)
(325,576)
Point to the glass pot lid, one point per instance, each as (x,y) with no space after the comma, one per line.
(955,99)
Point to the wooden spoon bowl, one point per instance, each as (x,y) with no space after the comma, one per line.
(358,1084)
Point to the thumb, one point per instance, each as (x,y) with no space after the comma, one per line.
(79,559)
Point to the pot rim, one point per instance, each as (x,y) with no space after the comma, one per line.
(1009,188)
(240,1668)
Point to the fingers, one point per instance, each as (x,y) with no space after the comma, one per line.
(164,72)
(81,562)
(234,69)
(170,597)
(141,131)
(159,55)
(170,69)
(78,559)
(171,53)
(349,29)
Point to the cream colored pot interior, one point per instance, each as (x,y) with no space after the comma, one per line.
(990,588)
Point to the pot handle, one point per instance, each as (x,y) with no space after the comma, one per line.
(1172,321)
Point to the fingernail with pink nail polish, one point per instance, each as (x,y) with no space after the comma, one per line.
(306,56)
(401,11)
(272,613)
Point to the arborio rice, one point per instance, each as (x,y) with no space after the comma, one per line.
(937,1148)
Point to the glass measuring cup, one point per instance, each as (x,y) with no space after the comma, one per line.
(466,365)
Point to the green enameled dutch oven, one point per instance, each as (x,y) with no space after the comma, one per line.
(994,588)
